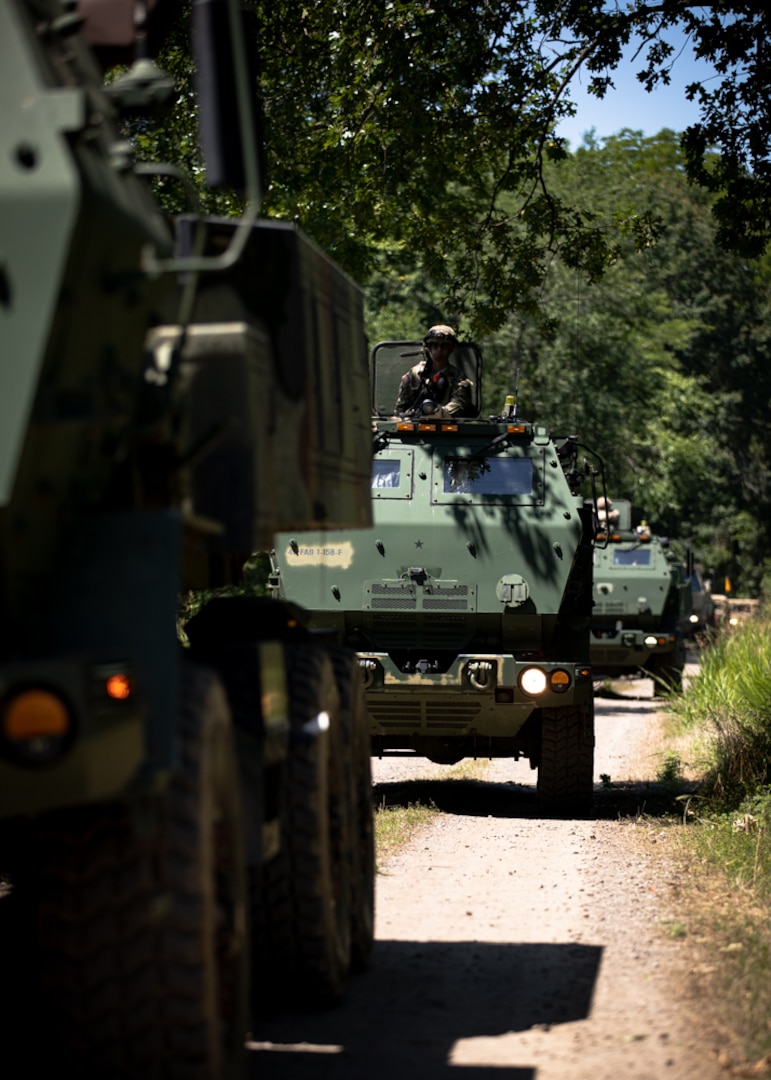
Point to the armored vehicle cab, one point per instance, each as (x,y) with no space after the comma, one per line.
(642,598)
(469,601)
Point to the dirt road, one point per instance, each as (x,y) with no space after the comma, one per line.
(514,947)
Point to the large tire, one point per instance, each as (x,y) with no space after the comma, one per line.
(356,729)
(142,921)
(303,899)
(566,769)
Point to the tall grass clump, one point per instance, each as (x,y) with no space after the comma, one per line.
(727,708)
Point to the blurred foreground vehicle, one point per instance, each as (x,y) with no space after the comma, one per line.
(172,394)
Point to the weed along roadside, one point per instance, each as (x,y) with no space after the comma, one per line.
(397,823)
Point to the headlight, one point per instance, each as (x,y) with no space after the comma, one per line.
(650,641)
(532,681)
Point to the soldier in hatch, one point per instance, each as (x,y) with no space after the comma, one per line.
(434,387)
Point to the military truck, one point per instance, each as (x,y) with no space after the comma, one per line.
(179,826)
(642,600)
(468,602)
(731,611)
(701,620)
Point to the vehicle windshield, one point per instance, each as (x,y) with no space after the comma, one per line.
(493,476)
(635,557)
(391,360)
(386,474)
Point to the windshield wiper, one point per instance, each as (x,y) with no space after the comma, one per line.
(499,443)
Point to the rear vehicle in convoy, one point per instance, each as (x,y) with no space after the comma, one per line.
(468,602)
(181,828)
(702,618)
(642,600)
(731,611)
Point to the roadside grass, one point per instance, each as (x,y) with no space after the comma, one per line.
(395,826)
(726,712)
(722,894)
(719,729)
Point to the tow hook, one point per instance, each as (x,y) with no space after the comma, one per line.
(368,669)
(479,674)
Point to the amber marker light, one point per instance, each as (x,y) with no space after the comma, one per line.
(449,427)
(516,429)
(35,714)
(559,681)
(118,687)
(405,427)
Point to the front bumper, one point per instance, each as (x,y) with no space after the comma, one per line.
(626,651)
(480,696)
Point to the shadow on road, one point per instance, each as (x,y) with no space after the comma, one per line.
(401,1019)
(517,799)
(481,798)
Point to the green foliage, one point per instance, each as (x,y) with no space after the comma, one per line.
(254,582)
(395,826)
(671,769)
(661,365)
(728,704)
(674,929)
(726,849)
(395,127)
(726,887)
(398,128)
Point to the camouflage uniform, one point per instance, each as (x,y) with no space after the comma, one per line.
(449,388)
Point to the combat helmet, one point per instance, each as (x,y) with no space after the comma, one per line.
(440,332)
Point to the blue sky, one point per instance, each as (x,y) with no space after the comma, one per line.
(628,105)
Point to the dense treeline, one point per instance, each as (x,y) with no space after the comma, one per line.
(398,126)
(662,366)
